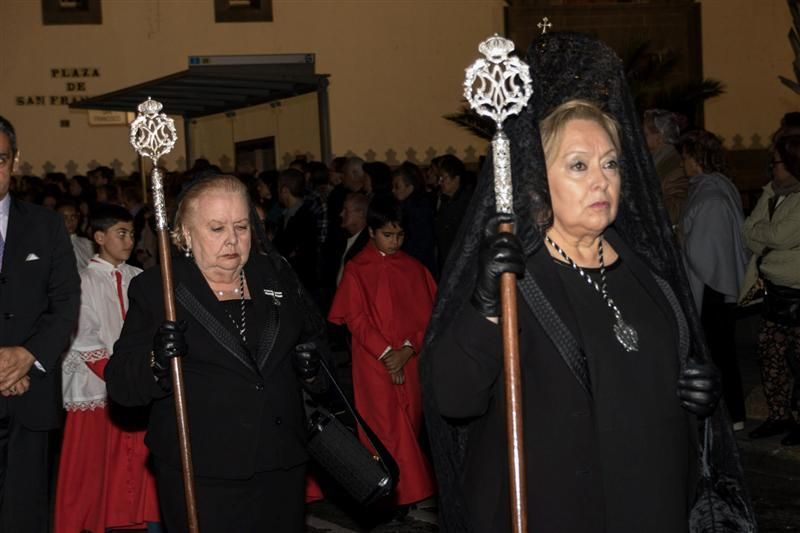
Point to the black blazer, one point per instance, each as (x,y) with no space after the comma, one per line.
(40,295)
(245,412)
(298,243)
(418,222)
(358,245)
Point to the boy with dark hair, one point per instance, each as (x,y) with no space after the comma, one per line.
(385,298)
(103,481)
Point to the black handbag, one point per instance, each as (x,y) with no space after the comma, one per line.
(721,506)
(781,304)
(367,476)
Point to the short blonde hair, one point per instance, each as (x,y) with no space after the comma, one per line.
(222,183)
(552,126)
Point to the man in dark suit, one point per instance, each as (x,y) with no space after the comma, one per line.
(296,239)
(354,222)
(39,302)
(353,180)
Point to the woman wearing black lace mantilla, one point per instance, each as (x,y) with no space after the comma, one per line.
(615,375)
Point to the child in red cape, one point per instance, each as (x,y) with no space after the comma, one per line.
(385,298)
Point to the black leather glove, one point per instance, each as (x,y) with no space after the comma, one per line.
(306,361)
(168,342)
(699,388)
(500,252)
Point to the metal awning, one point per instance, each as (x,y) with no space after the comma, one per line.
(206,90)
(219,84)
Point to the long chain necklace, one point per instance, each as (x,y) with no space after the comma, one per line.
(241,326)
(624,332)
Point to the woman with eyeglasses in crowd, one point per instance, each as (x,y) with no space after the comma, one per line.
(772,232)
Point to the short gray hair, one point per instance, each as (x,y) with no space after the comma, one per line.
(664,122)
(353,162)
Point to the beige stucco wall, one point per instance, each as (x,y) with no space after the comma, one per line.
(745,45)
(396,67)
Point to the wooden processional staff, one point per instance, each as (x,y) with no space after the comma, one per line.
(497,87)
(152,136)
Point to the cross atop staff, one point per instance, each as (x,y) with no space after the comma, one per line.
(544,25)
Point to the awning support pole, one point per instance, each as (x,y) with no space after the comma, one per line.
(324,121)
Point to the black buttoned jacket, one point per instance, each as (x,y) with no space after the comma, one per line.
(245,410)
(40,295)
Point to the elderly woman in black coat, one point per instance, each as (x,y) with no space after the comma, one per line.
(243,330)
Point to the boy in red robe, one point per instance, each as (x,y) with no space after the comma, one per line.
(385,298)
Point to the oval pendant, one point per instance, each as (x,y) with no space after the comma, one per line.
(626,335)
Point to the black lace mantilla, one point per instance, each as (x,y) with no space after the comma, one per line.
(563,67)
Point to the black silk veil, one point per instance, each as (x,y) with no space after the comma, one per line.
(563,66)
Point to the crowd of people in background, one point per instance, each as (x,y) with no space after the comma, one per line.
(322,218)
(732,261)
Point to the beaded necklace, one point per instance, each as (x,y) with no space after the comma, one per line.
(625,333)
(240,326)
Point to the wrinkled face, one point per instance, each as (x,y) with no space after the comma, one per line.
(780,176)
(354,178)
(74,188)
(116,243)
(653,138)
(448,184)
(400,189)
(263,191)
(217,230)
(584,180)
(432,177)
(71,218)
(353,220)
(49,202)
(690,167)
(388,238)
(6,164)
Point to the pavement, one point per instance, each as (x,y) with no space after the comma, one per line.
(771,470)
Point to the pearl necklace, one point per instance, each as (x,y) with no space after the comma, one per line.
(625,333)
(241,324)
(229,291)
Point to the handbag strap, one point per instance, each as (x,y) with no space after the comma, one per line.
(708,439)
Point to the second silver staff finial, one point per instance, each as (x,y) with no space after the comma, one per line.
(499,85)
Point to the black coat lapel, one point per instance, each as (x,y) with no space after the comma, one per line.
(194,294)
(358,245)
(220,333)
(263,285)
(15,251)
(658,289)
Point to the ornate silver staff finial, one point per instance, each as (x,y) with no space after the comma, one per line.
(153,135)
(544,25)
(498,87)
